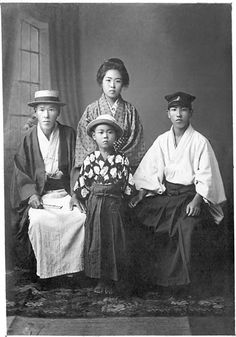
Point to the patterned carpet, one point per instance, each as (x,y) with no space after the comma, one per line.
(73,297)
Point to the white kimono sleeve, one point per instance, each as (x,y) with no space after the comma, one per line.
(150,172)
(209,183)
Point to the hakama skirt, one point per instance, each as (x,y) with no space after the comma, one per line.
(105,246)
(171,242)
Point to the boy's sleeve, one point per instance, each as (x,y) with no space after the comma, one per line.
(129,188)
(81,189)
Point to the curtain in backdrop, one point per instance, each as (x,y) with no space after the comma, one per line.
(9,30)
(64,59)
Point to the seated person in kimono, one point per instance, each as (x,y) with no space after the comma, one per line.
(40,191)
(179,185)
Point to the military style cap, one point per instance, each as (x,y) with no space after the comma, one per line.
(104,119)
(180,99)
(46,97)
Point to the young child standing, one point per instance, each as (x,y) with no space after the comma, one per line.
(179,184)
(104,181)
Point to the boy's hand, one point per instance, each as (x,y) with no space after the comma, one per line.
(194,207)
(137,198)
(74,202)
(35,201)
(134,201)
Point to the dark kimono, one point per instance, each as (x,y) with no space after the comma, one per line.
(29,173)
(104,184)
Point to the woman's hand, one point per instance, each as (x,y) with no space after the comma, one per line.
(74,202)
(194,207)
(35,201)
(137,198)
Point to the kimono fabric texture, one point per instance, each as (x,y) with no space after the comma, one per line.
(173,232)
(105,184)
(132,141)
(57,236)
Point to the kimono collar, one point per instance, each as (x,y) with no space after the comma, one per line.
(41,135)
(112,108)
(186,133)
(183,141)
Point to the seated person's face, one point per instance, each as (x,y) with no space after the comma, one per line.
(180,116)
(105,136)
(47,115)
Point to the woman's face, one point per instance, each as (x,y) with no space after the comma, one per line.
(112,85)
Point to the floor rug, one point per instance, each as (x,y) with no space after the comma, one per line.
(71,298)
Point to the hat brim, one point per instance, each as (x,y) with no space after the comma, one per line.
(34,103)
(94,123)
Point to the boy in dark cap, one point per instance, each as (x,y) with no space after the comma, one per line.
(181,174)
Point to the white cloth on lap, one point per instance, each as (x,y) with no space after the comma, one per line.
(57,236)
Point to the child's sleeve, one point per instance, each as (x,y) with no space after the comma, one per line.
(81,187)
(129,186)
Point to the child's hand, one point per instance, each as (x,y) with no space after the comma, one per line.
(134,201)
(137,198)
(194,207)
(74,202)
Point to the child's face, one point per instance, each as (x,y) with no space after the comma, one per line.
(47,115)
(180,116)
(112,84)
(105,136)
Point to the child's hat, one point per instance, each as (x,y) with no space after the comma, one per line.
(104,119)
(46,97)
(180,99)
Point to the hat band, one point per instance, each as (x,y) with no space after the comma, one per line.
(180,103)
(47,98)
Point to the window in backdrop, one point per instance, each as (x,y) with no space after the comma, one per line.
(29,58)
(31,73)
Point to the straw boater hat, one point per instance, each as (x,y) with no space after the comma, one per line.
(46,97)
(104,119)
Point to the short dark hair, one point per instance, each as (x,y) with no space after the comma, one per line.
(113,63)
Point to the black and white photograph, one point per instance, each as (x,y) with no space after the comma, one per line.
(118,175)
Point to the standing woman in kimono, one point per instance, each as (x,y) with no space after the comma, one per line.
(105,182)
(179,183)
(112,76)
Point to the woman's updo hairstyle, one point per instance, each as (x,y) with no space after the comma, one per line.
(110,64)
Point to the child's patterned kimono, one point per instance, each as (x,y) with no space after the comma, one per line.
(104,184)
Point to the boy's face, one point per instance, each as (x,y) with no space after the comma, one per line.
(105,136)
(47,115)
(180,116)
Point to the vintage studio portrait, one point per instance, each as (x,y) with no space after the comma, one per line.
(118,168)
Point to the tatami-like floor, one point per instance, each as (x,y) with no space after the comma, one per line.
(121,326)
